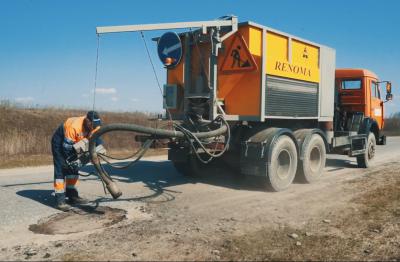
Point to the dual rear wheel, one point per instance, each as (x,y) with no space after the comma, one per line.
(285,163)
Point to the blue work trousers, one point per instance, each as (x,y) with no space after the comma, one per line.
(63,176)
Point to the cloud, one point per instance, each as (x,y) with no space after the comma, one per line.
(134,99)
(114,99)
(85,95)
(106,91)
(24,99)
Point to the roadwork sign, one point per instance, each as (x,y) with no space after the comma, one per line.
(169,49)
(238,58)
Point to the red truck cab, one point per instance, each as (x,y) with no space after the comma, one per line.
(359,91)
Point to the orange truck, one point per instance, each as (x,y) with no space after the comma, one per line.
(285,103)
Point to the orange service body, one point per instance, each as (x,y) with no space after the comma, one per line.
(230,84)
(244,61)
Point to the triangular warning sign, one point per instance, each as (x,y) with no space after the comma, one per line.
(238,58)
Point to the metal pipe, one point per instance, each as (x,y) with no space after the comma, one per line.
(166,26)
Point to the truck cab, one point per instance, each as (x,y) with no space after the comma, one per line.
(359,98)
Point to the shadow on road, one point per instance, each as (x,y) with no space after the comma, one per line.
(339,164)
(158,175)
(42,196)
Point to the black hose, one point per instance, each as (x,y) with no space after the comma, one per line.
(156,133)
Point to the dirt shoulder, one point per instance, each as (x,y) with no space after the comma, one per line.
(353,215)
(368,228)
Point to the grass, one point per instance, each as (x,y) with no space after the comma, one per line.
(372,233)
(25,133)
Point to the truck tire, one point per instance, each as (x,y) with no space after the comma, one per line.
(312,166)
(283,166)
(365,160)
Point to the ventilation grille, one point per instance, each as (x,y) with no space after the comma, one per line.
(290,98)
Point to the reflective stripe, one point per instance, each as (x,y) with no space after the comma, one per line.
(72,181)
(71,186)
(59,191)
(59,186)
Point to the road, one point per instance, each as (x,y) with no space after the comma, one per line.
(154,191)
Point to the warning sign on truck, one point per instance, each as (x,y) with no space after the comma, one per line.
(238,58)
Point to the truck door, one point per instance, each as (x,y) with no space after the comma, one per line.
(352,95)
(376,103)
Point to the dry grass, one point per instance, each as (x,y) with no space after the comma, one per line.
(392,125)
(370,233)
(25,133)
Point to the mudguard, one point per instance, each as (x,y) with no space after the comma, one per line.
(304,135)
(370,125)
(256,149)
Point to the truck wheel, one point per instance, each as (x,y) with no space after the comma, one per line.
(364,160)
(312,166)
(282,169)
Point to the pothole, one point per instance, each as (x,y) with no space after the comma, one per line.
(79,220)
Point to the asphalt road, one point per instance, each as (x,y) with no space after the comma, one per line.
(26,193)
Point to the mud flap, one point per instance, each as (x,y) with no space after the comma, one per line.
(382,140)
(358,145)
(178,153)
(255,155)
(253,159)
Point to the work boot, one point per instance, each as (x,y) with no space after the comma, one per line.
(63,207)
(74,198)
(77,201)
(60,202)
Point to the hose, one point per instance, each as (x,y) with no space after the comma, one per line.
(156,133)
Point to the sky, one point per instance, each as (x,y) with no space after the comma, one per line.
(48,47)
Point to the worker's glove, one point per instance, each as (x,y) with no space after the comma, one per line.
(75,165)
(100,149)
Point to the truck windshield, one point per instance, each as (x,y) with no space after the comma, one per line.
(351,84)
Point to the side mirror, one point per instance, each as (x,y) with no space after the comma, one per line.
(388,87)
(389,97)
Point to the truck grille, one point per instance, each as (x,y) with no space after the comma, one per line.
(290,98)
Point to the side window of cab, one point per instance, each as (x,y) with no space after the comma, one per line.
(375,90)
(351,84)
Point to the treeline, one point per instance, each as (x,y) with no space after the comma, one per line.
(392,125)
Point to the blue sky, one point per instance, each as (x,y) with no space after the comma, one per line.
(48,47)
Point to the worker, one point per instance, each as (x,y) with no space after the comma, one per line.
(66,176)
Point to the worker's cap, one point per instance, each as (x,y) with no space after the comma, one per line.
(94,117)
